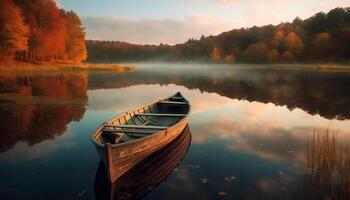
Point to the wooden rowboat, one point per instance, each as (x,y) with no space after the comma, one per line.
(145,176)
(125,140)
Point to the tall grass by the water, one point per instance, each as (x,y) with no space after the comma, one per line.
(57,66)
(328,163)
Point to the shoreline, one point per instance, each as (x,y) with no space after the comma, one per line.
(56,67)
(298,66)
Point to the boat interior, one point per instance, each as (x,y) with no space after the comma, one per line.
(144,121)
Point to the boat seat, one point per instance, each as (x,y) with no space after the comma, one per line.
(118,137)
(117,127)
(127,138)
(160,115)
(177,98)
(173,102)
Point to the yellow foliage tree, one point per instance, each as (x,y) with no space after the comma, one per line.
(273,55)
(287,56)
(230,58)
(256,53)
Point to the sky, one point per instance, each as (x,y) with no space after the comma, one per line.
(175,21)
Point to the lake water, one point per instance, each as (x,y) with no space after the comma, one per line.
(256,133)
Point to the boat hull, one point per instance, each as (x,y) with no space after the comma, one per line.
(146,175)
(119,159)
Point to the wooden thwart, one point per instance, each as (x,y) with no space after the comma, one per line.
(161,115)
(129,131)
(137,127)
(173,102)
(178,98)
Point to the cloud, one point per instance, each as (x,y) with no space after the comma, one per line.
(151,31)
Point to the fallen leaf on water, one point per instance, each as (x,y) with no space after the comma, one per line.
(150,188)
(230,178)
(193,166)
(222,193)
(204,180)
(81,193)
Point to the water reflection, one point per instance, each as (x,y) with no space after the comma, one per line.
(261,145)
(145,176)
(36,108)
(255,125)
(323,93)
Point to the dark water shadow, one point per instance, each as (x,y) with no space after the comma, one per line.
(146,175)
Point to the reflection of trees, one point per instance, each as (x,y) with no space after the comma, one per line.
(36,108)
(320,93)
(328,163)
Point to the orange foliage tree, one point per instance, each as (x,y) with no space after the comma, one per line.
(321,45)
(75,40)
(215,54)
(277,39)
(48,30)
(294,43)
(37,30)
(13,30)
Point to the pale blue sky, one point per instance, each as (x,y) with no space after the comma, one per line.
(174,21)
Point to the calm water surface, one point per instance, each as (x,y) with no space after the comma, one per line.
(256,133)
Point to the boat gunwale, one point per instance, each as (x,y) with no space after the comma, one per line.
(98,131)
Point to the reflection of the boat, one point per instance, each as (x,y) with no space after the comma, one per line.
(328,163)
(145,176)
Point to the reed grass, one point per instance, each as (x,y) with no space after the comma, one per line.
(63,66)
(328,163)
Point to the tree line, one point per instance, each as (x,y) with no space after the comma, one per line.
(324,37)
(37,30)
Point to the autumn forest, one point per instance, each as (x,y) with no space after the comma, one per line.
(37,31)
(324,37)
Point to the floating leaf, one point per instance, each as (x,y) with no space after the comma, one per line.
(204,180)
(222,193)
(193,166)
(81,193)
(230,178)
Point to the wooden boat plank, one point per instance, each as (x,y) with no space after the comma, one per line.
(129,131)
(137,127)
(161,115)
